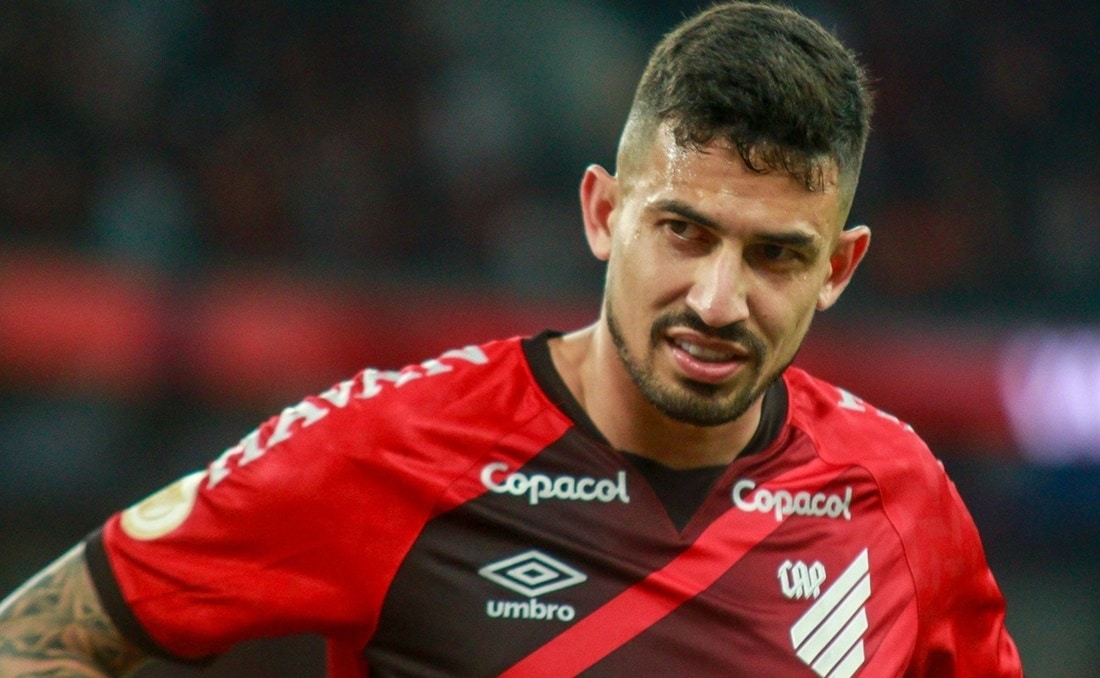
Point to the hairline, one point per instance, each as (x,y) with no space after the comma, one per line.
(642,131)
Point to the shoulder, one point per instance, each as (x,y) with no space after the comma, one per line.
(911,484)
(848,431)
(465,380)
(914,493)
(460,390)
(846,427)
(487,387)
(461,367)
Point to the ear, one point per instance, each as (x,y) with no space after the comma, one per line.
(599,200)
(850,247)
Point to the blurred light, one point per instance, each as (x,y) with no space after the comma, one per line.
(1050,387)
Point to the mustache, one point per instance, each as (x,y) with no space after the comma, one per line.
(734,332)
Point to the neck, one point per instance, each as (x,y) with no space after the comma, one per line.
(590,366)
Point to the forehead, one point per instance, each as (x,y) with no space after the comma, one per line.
(715,179)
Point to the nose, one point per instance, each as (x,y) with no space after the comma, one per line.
(718,294)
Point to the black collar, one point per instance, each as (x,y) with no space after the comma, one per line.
(537,351)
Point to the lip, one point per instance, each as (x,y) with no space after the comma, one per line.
(702,370)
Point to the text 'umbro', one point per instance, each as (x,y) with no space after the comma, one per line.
(529,609)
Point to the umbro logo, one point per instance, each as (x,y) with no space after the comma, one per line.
(829,636)
(531,574)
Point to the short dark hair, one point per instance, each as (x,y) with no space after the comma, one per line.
(773,83)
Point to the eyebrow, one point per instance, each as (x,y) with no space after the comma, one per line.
(686,211)
(796,239)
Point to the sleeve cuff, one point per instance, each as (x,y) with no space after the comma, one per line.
(110,595)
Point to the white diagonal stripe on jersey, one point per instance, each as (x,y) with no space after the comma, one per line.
(851,663)
(835,622)
(830,599)
(849,637)
(828,618)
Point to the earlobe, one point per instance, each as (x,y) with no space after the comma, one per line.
(850,249)
(599,198)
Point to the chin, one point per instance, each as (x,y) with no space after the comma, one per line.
(700,404)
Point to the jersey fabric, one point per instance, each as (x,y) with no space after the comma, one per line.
(464,517)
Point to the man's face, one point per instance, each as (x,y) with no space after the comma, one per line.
(714,275)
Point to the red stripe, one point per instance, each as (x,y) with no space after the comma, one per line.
(637,608)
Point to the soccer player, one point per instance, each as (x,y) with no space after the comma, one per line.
(658,492)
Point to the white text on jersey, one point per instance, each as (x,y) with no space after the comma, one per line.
(366,384)
(537,486)
(531,573)
(784,503)
(799,580)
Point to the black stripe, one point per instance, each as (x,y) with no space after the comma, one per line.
(537,351)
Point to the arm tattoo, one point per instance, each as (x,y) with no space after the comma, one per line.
(54,625)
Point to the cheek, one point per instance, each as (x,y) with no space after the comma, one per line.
(634,271)
(784,317)
(654,279)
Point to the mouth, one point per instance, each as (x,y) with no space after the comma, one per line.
(707,354)
(703,359)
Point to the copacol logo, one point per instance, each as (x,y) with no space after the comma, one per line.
(539,486)
(783,503)
(532,574)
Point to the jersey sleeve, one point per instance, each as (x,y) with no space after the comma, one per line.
(255,545)
(960,607)
(960,610)
(298,528)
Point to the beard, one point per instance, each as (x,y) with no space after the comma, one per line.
(688,401)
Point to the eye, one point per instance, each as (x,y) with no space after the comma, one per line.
(776,255)
(685,230)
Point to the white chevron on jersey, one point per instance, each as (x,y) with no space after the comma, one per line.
(829,636)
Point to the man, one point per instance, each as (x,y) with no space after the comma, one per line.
(657,492)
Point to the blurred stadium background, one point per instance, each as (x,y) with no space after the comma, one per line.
(210,209)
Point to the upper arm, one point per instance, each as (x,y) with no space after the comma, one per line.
(963,616)
(55,624)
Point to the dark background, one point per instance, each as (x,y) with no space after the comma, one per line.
(208,210)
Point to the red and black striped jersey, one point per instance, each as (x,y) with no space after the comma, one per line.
(463,516)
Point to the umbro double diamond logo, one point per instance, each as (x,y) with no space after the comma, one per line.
(531,574)
(829,636)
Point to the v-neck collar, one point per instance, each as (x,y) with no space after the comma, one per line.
(537,351)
